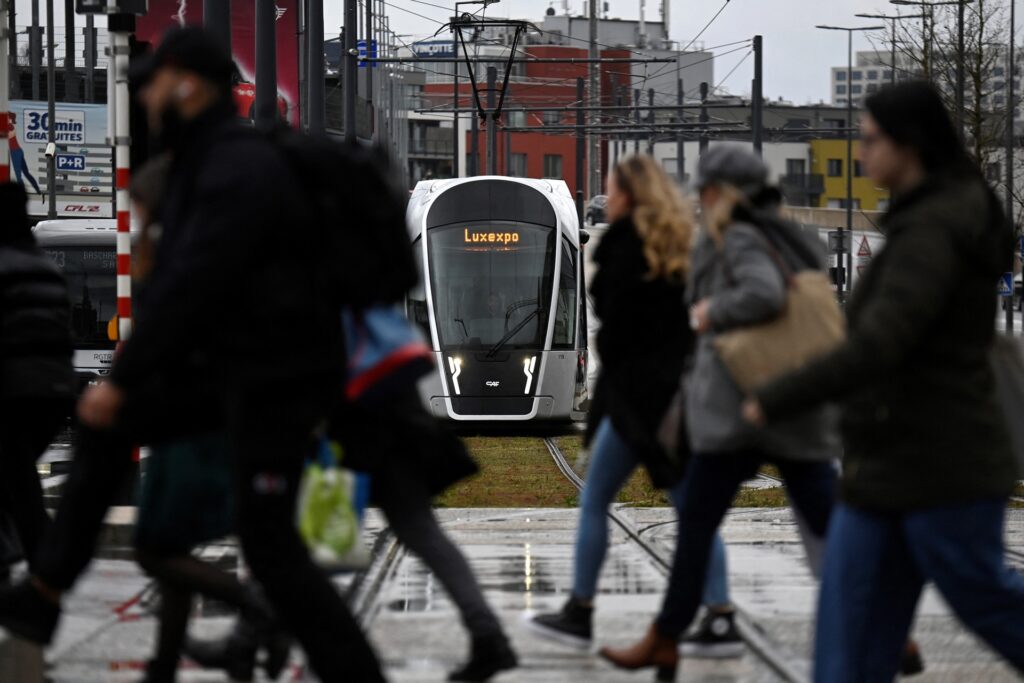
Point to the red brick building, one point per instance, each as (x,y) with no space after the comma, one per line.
(536,154)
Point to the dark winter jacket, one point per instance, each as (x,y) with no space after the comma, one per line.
(35,326)
(643,341)
(237,275)
(921,425)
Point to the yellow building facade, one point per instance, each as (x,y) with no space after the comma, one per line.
(828,159)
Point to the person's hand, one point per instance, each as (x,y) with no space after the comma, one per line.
(700,316)
(753,413)
(99,405)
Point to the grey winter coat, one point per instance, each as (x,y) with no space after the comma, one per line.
(749,291)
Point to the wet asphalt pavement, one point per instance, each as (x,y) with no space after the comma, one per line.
(524,562)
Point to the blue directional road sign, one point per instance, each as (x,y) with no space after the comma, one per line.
(1006,284)
(361,49)
(70,162)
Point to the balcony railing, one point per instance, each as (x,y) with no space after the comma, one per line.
(803,183)
(430,148)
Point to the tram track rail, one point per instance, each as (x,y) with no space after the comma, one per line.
(751,632)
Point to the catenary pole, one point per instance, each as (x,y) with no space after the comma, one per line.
(680,140)
(651,118)
(704,119)
(474,145)
(266,64)
(580,142)
(315,71)
(90,58)
(370,51)
(217,20)
(5,93)
(1011,142)
(11,51)
(757,104)
(71,89)
(492,121)
(349,63)
(51,114)
(35,50)
(636,118)
(594,97)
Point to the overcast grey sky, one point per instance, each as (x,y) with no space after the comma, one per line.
(797,56)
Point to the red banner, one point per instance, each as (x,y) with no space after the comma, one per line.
(164,14)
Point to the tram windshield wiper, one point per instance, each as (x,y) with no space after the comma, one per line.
(513,332)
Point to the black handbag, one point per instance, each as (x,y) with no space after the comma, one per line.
(673,435)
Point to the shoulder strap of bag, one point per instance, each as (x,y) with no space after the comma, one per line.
(787,273)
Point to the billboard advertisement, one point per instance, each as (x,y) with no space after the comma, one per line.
(163,14)
(83,160)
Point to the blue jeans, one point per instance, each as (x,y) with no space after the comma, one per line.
(875,568)
(711,484)
(611,465)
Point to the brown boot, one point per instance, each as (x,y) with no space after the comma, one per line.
(654,650)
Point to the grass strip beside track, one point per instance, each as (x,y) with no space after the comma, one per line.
(517,472)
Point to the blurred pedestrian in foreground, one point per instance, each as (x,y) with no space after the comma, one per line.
(928,466)
(644,342)
(37,380)
(231,285)
(187,493)
(735,280)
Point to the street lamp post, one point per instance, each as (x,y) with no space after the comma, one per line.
(960,78)
(894,19)
(850,30)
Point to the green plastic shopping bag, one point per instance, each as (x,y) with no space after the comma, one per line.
(328,520)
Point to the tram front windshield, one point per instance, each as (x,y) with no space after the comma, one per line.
(91,274)
(491,284)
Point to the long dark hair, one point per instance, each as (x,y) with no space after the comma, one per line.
(914,116)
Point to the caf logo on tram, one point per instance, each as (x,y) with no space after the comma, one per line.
(501,298)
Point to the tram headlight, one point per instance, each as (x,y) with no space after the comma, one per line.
(455,365)
(529,366)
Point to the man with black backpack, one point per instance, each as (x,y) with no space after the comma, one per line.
(242,274)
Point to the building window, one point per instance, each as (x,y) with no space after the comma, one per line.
(993,172)
(515,119)
(998,100)
(553,166)
(872,75)
(855,89)
(552,118)
(835,123)
(840,75)
(841,203)
(857,173)
(998,71)
(841,101)
(998,85)
(517,165)
(840,89)
(796,167)
(835,168)
(887,75)
(855,75)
